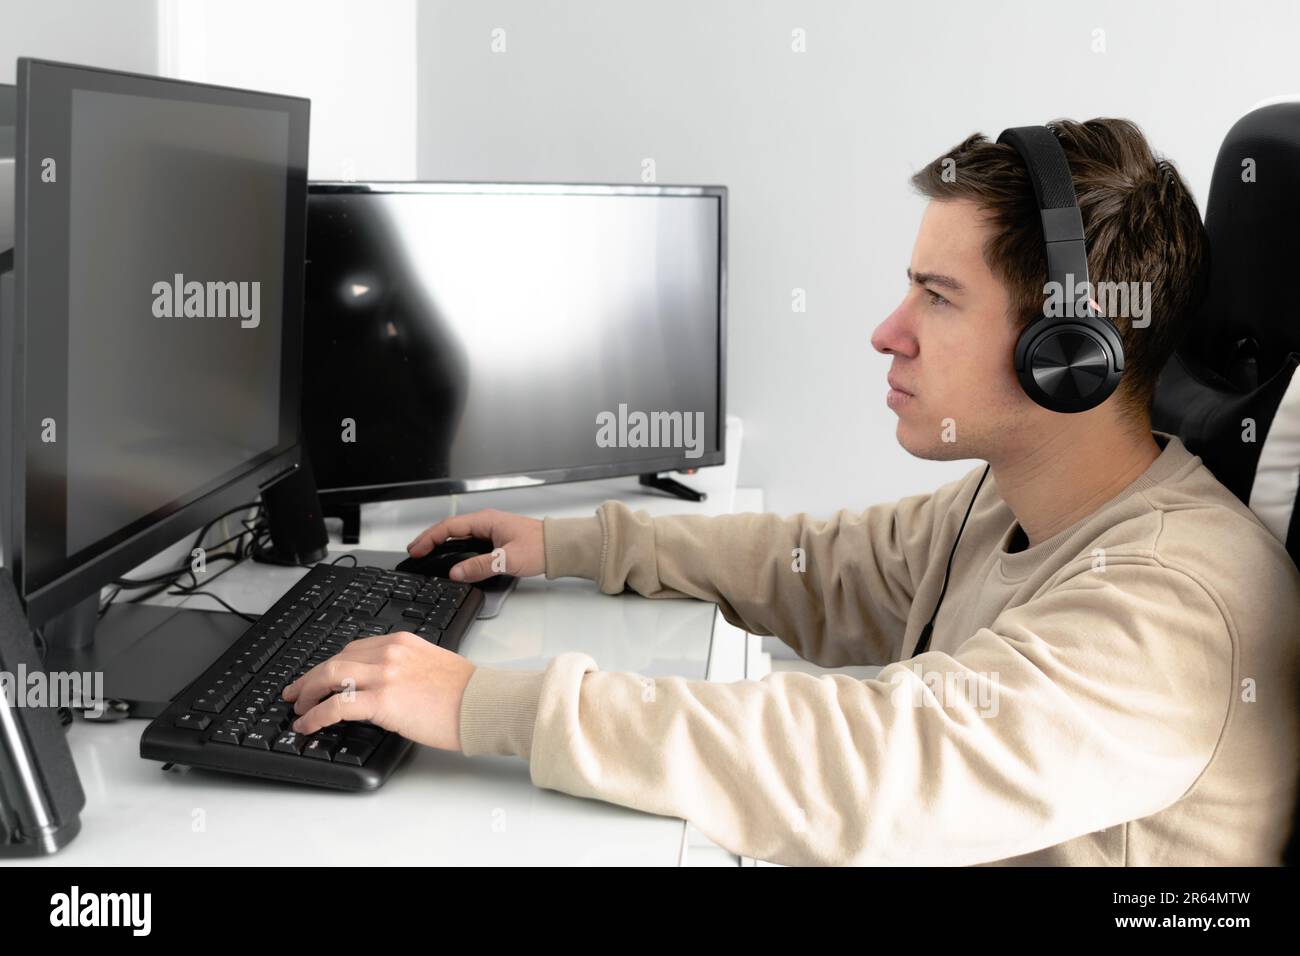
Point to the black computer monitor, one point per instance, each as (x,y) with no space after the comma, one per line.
(470,336)
(154,337)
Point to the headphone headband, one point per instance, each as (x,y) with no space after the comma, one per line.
(1049,172)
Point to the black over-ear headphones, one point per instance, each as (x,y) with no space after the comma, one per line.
(1065,363)
(1070,362)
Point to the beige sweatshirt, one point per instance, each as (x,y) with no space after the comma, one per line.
(1124,693)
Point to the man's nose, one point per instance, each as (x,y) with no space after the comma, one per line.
(894,334)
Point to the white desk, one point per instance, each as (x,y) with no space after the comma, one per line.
(439,807)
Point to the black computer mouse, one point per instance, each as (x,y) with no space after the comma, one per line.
(439,562)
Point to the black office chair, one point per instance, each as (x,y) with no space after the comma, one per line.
(1240,356)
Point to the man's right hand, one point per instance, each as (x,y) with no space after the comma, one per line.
(520,538)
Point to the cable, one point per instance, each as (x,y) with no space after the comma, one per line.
(923,642)
(194,593)
(190,587)
(131,584)
(198,542)
(103,608)
(160,582)
(355,562)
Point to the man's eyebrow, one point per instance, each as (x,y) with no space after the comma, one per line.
(935,278)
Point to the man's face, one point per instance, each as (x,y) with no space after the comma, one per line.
(952,343)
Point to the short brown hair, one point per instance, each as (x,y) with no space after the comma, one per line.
(1139,218)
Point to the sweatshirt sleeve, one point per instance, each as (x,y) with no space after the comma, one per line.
(1071,713)
(837,591)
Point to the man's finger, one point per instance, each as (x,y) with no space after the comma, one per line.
(477,524)
(360,706)
(333,676)
(372,650)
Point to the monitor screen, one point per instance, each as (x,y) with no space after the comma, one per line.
(465,336)
(162,296)
(163,397)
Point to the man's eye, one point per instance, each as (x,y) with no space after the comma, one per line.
(936,298)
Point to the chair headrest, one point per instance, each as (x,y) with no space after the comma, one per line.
(1231,392)
(1252,218)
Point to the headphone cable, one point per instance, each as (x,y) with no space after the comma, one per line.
(923,642)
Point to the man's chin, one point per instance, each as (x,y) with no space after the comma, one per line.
(929,447)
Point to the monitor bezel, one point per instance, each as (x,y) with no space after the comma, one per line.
(362,494)
(51,591)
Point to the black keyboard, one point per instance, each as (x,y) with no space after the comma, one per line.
(232,717)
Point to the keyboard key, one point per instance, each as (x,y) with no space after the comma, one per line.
(193,721)
(360,730)
(221,693)
(327,619)
(258,740)
(278,711)
(354,752)
(226,734)
(320,749)
(290,743)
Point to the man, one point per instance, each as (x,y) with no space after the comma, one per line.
(1112,678)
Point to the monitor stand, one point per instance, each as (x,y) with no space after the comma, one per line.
(350,512)
(147,653)
(670,486)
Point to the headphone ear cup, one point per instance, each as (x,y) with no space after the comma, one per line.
(1069,365)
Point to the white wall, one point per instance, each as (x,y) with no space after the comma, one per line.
(817,148)
(355,61)
(122,35)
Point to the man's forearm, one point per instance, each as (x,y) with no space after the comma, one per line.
(837,591)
